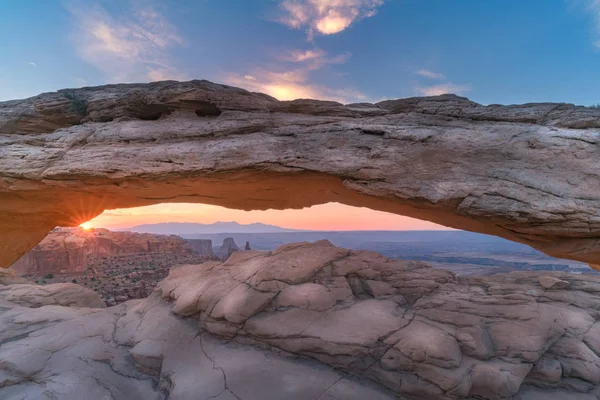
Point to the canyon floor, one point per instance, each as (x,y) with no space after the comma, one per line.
(307,321)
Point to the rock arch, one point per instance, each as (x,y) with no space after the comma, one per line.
(529,173)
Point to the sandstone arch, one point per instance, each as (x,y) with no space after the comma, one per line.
(528,173)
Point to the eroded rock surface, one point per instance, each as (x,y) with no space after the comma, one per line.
(528,172)
(201,247)
(62,294)
(141,350)
(9,277)
(227,248)
(417,332)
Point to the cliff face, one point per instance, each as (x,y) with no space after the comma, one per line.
(528,173)
(227,248)
(202,247)
(70,250)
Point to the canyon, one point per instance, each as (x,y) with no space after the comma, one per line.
(527,173)
(74,250)
(119,266)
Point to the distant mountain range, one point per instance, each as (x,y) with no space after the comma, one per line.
(191,228)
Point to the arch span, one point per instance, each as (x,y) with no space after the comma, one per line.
(528,173)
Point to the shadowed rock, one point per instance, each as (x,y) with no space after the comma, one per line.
(527,173)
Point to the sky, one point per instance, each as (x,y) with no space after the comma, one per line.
(492,51)
(331,216)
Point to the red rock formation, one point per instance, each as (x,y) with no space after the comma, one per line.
(70,250)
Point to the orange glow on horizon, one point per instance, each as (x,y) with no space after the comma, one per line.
(324,217)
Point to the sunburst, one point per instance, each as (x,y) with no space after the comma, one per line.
(86,226)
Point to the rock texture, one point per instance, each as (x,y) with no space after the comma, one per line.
(18,291)
(227,248)
(420,332)
(71,250)
(202,247)
(9,277)
(528,172)
(139,350)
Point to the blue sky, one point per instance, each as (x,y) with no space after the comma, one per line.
(492,51)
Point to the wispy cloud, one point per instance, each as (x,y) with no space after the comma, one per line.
(34,65)
(443,88)
(430,74)
(326,17)
(313,59)
(292,80)
(291,85)
(303,55)
(125,47)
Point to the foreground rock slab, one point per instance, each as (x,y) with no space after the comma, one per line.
(62,294)
(421,332)
(140,350)
(527,173)
(313,321)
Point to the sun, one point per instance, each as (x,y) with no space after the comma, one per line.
(86,226)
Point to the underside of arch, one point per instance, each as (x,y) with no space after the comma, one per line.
(527,173)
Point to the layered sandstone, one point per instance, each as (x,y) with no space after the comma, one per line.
(528,173)
(71,250)
(420,332)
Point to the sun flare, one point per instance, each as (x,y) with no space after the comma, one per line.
(86,226)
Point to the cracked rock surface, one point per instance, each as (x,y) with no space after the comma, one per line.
(141,350)
(421,332)
(528,173)
(313,321)
(62,294)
